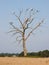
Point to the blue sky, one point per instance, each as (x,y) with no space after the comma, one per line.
(38,41)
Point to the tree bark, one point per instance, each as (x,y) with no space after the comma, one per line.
(24,45)
(24,49)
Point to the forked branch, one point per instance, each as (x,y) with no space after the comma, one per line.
(34,29)
(17,29)
(18,17)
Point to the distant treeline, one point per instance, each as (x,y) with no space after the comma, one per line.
(44,53)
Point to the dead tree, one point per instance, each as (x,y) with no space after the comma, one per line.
(25,24)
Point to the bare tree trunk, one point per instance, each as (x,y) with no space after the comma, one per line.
(24,48)
(24,45)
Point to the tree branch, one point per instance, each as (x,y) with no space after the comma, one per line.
(17,38)
(34,29)
(27,23)
(18,17)
(15,28)
(16,33)
(20,12)
(20,40)
(28,20)
(11,31)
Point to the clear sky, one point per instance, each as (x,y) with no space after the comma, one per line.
(39,40)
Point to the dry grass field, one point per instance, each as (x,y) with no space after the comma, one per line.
(23,61)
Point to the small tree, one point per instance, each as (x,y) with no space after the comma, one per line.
(25,24)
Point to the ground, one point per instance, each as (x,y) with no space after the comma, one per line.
(23,61)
